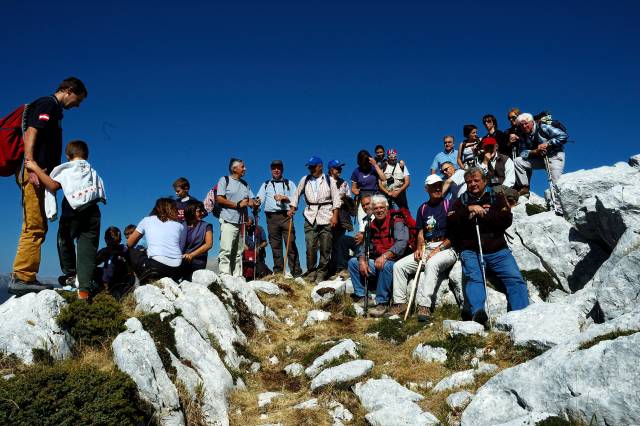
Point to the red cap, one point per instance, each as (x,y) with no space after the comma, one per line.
(489,141)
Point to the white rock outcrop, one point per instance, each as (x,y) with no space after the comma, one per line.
(134,352)
(598,383)
(315,316)
(266,287)
(428,353)
(465,328)
(325,291)
(456,380)
(29,322)
(346,347)
(342,373)
(459,400)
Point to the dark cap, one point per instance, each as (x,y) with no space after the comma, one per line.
(277,163)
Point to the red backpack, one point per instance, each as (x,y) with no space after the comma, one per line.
(11,141)
(404,215)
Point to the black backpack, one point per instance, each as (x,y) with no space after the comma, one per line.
(545,117)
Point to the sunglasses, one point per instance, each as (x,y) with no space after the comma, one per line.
(488,120)
(512,117)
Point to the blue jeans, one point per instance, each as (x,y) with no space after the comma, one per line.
(383,278)
(503,264)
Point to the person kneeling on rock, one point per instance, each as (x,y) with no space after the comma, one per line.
(389,237)
(433,248)
(481,216)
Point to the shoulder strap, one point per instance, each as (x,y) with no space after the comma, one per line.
(446,205)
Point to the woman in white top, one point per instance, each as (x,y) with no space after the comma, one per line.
(166,238)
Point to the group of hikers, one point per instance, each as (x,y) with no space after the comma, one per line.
(360,228)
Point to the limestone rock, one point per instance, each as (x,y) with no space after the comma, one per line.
(339,413)
(310,404)
(430,354)
(265,398)
(266,287)
(465,328)
(345,347)
(378,393)
(456,380)
(135,354)
(324,291)
(205,277)
(616,282)
(401,414)
(543,325)
(342,373)
(531,419)
(570,381)
(29,322)
(486,368)
(150,299)
(459,400)
(294,370)
(217,381)
(244,292)
(316,316)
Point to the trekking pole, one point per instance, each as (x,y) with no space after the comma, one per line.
(366,276)
(286,253)
(552,188)
(255,244)
(484,276)
(414,286)
(244,241)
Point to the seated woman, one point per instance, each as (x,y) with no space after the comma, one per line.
(467,149)
(199,238)
(166,238)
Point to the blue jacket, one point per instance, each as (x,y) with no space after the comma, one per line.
(543,133)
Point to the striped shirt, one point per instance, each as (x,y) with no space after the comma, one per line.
(322,198)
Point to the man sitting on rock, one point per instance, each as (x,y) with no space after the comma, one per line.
(433,247)
(481,210)
(388,237)
(497,166)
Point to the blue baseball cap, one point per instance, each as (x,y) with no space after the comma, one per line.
(314,161)
(335,164)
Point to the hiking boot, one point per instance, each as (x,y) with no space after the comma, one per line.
(524,192)
(397,309)
(424,314)
(20,288)
(481,317)
(378,310)
(357,300)
(65,280)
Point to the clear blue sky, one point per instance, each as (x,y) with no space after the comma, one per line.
(177,88)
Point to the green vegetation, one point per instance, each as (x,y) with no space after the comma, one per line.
(395,329)
(65,394)
(508,352)
(460,349)
(608,336)
(541,280)
(314,353)
(533,209)
(94,323)
(162,334)
(447,312)
(245,318)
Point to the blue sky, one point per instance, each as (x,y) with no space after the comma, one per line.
(176,89)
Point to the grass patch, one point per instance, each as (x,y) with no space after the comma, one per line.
(163,337)
(609,336)
(541,280)
(460,349)
(42,356)
(315,352)
(64,393)
(447,312)
(191,405)
(533,209)
(395,330)
(245,319)
(243,351)
(508,352)
(278,380)
(92,323)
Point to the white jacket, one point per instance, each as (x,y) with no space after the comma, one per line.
(80,184)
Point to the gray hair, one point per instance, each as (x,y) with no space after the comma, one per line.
(448,136)
(525,117)
(378,198)
(472,171)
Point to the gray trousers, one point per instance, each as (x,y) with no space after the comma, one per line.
(318,238)
(524,167)
(278,227)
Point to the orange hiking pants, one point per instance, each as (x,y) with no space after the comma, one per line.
(34,228)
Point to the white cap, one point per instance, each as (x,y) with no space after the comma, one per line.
(431,179)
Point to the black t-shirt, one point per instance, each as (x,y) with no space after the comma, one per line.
(45,114)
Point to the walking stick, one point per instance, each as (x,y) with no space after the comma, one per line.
(255,244)
(484,276)
(286,253)
(414,286)
(552,187)
(366,259)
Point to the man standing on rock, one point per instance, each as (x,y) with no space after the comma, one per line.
(322,200)
(389,238)
(42,144)
(277,193)
(480,208)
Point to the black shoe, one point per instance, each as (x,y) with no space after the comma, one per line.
(481,317)
(20,288)
(65,280)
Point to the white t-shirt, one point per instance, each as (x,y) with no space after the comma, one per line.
(165,240)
